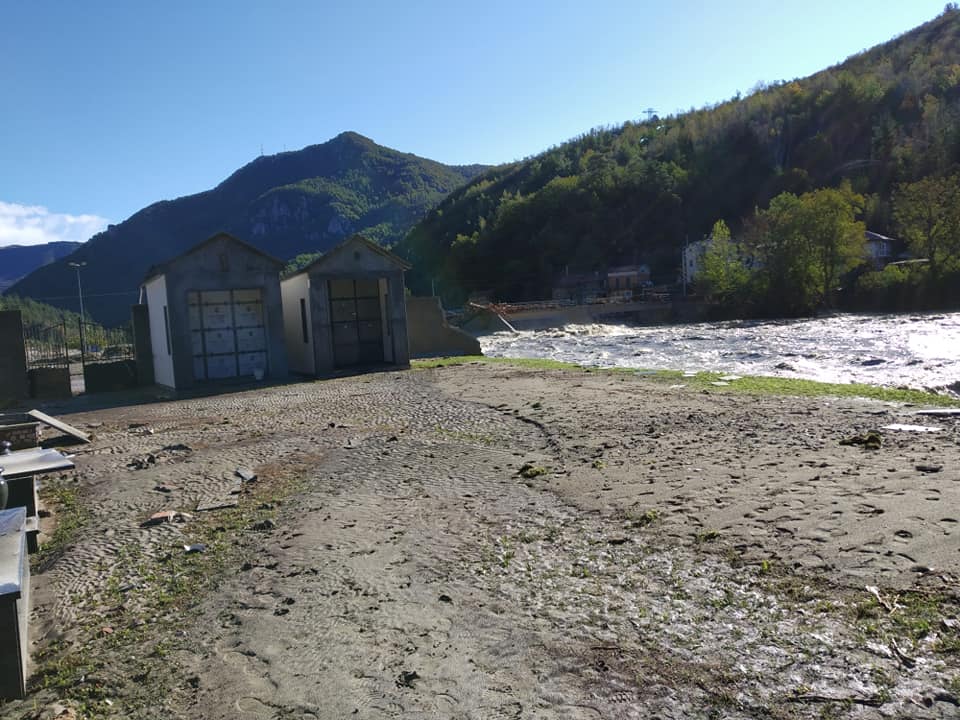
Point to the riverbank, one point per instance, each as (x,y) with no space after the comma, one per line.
(486,540)
(913,351)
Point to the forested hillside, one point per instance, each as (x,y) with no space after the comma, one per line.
(637,193)
(33,313)
(286,204)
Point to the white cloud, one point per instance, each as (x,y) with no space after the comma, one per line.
(35,225)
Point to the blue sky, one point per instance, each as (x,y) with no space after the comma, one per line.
(107,107)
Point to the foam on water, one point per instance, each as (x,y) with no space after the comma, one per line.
(916,351)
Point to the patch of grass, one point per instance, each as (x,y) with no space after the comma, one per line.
(466,437)
(531,363)
(134,620)
(764,385)
(71,517)
(750,385)
(642,519)
(529,471)
(705,536)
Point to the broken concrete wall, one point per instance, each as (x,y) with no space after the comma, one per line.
(430,334)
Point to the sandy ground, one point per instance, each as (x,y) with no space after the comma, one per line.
(483,541)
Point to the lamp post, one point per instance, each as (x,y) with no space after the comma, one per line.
(76,266)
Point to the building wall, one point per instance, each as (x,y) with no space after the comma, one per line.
(13,359)
(396,316)
(300,352)
(430,334)
(223,265)
(355,260)
(162,350)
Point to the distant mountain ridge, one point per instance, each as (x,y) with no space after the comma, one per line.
(17,261)
(285,204)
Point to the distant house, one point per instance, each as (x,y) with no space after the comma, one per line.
(347,309)
(578,287)
(882,250)
(627,278)
(215,314)
(693,255)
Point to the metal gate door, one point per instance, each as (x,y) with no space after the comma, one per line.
(51,370)
(357,324)
(228,333)
(108,357)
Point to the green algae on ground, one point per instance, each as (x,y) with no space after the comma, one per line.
(749,385)
(532,363)
(767,385)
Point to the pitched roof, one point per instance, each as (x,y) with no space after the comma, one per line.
(870,235)
(161,268)
(342,247)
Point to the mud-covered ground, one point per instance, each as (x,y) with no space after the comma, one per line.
(483,541)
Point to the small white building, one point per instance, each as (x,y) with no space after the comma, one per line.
(881,250)
(346,309)
(693,255)
(215,314)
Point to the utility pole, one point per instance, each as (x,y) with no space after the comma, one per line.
(77,266)
(683,263)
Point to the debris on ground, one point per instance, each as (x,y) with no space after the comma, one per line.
(245,474)
(901,427)
(871,440)
(165,516)
(60,425)
(406,678)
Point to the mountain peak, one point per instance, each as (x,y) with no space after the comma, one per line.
(353,138)
(295,202)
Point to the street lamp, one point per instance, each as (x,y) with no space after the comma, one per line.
(77,267)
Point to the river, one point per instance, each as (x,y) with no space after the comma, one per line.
(917,351)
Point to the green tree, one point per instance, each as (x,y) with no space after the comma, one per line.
(725,277)
(927,214)
(720,231)
(805,244)
(836,236)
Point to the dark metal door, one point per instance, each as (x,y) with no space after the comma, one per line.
(53,371)
(108,359)
(357,324)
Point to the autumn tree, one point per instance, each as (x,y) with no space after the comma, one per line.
(927,214)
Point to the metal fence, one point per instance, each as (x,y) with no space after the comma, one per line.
(100,344)
(46,345)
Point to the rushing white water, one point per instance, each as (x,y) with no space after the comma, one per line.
(916,351)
